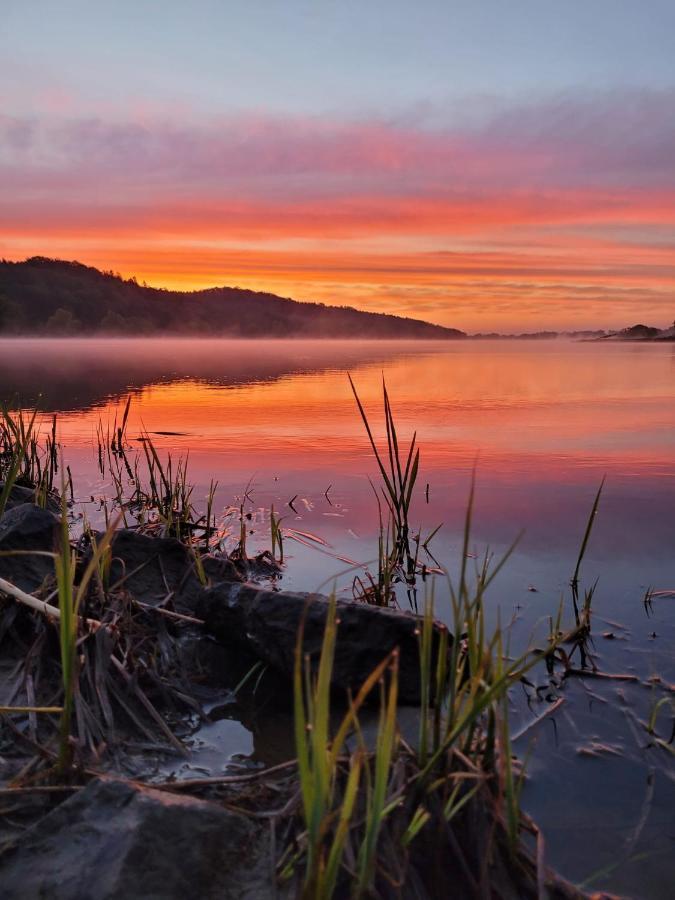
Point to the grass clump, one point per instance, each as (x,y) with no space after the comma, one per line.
(71,595)
(398,547)
(335,781)
(24,462)
(91,655)
(394,815)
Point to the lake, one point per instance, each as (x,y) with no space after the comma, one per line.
(541,422)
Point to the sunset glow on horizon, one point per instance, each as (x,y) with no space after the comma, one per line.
(548,205)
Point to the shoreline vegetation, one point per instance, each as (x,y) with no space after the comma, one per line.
(42,297)
(110,641)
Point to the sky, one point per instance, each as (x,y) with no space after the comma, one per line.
(488,165)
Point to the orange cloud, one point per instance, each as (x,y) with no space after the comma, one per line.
(540,216)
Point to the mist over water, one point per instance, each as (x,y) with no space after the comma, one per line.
(542,422)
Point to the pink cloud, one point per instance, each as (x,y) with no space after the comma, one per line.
(531,199)
(597,140)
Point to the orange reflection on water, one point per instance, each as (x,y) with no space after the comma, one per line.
(553,402)
(543,421)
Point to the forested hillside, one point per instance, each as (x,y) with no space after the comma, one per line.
(46,296)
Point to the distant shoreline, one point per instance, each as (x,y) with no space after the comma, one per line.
(43,298)
(196,336)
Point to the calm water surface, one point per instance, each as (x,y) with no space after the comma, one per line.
(542,422)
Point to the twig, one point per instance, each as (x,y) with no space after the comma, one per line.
(52,612)
(593,673)
(40,789)
(223,779)
(169,613)
(548,712)
(644,815)
(173,740)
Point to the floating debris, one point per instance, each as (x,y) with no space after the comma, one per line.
(597,749)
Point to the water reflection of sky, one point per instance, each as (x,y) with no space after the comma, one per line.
(543,422)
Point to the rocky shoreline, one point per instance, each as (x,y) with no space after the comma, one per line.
(158,618)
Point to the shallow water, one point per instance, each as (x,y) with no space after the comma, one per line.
(542,421)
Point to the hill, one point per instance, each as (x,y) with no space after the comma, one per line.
(49,296)
(642,333)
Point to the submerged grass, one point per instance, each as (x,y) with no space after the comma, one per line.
(277,536)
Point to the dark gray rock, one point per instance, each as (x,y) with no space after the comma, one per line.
(152,567)
(20,494)
(266,624)
(28,527)
(115,839)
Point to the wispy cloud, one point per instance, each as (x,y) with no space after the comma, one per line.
(597,140)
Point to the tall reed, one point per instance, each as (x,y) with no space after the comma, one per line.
(399,477)
(18,447)
(71,594)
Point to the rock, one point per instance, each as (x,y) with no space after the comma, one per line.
(28,527)
(116,839)
(155,567)
(266,623)
(20,494)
